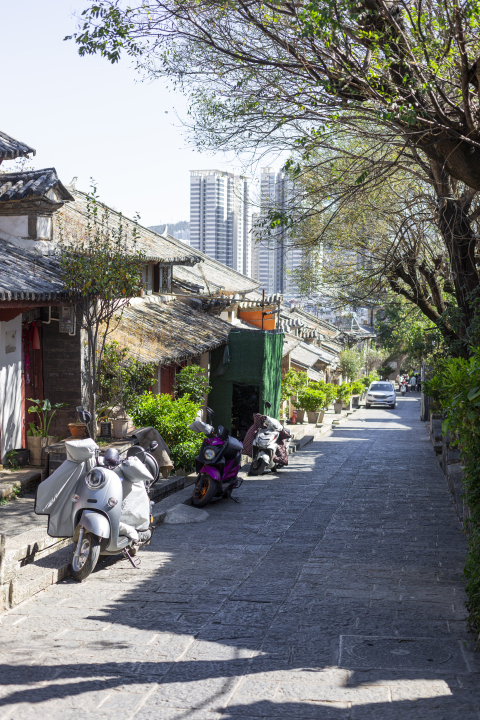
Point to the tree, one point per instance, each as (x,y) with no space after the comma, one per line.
(192,381)
(122,378)
(102,270)
(350,363)
(404,331)
(361,240)
(291,75)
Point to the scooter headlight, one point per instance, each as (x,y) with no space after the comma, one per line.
(209,454)
(95,479)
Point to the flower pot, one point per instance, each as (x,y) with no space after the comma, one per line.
(347,406)
(120,427)
(300,416)
(36,445)
(21,456)
(355,401)
(337,406)
(313,417)
(77,430)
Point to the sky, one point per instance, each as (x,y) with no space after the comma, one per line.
(90,119)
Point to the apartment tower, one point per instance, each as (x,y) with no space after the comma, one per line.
(220,217)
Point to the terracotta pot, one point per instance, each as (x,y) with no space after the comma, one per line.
(300,416)
(120,427)
(337,406)
(77,430)
(36,445)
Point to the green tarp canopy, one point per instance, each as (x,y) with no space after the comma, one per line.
(251,358)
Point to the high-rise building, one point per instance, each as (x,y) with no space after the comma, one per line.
(274,257)
(220,217)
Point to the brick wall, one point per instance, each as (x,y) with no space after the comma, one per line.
(62,380)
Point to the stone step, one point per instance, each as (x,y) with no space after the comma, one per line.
(15,480)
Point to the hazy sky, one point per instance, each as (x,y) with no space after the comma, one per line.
(88,118)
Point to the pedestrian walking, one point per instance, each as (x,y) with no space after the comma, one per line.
(413,383)
(419,385)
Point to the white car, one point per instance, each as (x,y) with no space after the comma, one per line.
(381,393)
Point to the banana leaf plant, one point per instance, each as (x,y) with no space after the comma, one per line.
(45,412)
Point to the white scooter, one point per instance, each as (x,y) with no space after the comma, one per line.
(265,445)
(102,503)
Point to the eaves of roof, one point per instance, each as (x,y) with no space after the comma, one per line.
(168,332)
(10,149)
(25,275)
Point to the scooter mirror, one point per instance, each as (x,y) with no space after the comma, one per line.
(136,451)
(83,415)
(153,446)
(222,432)
(268,405)
(210,412)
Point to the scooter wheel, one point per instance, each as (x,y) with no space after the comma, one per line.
(204,490)
(84,563)
(257,467)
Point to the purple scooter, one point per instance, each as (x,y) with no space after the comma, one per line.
(217,463)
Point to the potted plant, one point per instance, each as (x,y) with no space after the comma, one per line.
(104,424)
(344,395)
(17,458)
(313,402)
(300,410)
(77,429)
(357,390)
(37,436)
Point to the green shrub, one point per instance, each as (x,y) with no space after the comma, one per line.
(350,363)
(122,379)
(311,400)
(192,380)
(368,379)
(328,389)
(292,382)
(344,393)
(357,387)
(456,386)
(171,418)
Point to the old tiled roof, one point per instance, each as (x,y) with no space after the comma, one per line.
(307,355)
(24,275)
(289,343)
(210,277)
(11,148)
(168,332)
(298,317)
(31,184)
(157,248)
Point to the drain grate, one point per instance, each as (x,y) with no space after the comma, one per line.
(394,653)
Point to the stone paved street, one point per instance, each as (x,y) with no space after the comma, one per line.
(332,591)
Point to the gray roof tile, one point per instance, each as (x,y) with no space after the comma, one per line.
(11,148)
(25,275)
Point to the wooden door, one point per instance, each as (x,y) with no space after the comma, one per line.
(32,373)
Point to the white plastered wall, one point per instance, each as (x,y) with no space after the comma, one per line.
(10,385)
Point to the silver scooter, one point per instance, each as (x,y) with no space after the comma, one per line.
(99,502)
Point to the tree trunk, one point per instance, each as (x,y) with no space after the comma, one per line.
(460,241)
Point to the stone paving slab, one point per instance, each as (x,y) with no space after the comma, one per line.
(332,591)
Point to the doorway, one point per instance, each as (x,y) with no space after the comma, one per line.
(245,402)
